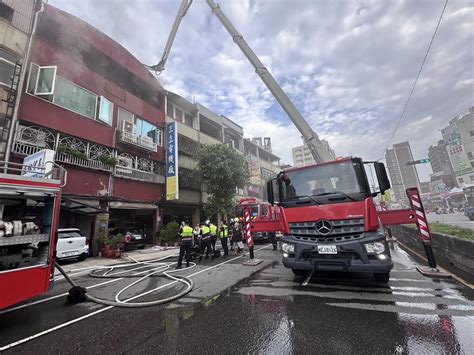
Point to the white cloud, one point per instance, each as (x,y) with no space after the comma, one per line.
(347,65)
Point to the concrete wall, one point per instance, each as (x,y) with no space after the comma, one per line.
(453,253)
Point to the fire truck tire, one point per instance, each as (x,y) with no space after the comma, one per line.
(299,272)
(383,277)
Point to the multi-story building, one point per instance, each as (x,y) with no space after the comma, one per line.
(402,175)
(302,155)
(264,142)
(102,112)
(441,165)
(16,25)
(263,165)
(459,139)
(198,125)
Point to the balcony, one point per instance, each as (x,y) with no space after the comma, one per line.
(74,151)
(143,142)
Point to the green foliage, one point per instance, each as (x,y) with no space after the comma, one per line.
(64,149)
(222,169)
(452,230)
(170,233)
(108,160)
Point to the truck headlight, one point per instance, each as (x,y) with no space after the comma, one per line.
(287,248)
(375,248)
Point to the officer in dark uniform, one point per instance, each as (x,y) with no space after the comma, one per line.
(205,242)
(186,244)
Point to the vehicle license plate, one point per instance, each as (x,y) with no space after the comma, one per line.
(327,249)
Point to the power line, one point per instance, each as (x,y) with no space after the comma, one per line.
(417,77)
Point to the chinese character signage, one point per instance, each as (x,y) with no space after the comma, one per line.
(457,154)
(172,188)
(39,164)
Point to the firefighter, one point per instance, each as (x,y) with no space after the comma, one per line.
(186,244)
(224,234)
(231,230)
(213,232)
(205,241)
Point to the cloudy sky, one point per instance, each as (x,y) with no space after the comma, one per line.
(347,65)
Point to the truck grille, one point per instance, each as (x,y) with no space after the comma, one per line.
(342,230)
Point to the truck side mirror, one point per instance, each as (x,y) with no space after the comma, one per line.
(382,178)
(270,191)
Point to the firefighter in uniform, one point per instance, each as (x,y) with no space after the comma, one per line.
(224,234)
(213,229)
(205,241)
(186,244)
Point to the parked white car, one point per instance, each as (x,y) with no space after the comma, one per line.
(71,244)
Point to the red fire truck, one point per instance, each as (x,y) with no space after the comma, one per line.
(260,211)
(29,211)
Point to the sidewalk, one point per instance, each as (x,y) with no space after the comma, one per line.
(139,255)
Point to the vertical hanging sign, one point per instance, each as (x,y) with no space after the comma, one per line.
(172,187)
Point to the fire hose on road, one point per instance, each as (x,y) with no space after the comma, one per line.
(141,269)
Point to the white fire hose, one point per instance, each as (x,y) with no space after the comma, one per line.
(149,268)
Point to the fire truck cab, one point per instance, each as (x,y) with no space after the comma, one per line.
(29,212)
(260,212)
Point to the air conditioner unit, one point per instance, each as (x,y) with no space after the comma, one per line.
(146,140)
(129,127)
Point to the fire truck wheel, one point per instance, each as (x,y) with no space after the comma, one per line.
(382,277)
(299,272)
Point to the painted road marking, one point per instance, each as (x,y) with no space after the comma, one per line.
(73,321)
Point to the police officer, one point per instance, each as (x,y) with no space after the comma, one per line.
(213,229)
(224,234)
(205,241)
(186,244)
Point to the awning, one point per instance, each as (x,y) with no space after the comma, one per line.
(80,208)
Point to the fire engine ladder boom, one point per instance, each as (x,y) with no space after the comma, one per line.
(319,152)
(183,9)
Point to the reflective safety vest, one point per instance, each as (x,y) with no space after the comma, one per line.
(213,229)
(187,232)
(225,232)
(205,230)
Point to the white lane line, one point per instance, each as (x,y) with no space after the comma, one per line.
(66,293)
(63,325)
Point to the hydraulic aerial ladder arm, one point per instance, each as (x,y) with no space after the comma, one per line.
(315,145)
(183,9)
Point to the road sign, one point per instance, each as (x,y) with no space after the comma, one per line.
(419,161)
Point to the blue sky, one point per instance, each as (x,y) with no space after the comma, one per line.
(347,65)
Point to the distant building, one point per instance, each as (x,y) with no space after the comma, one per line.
(302,155)
(402,175)
(459,139)
(441,165)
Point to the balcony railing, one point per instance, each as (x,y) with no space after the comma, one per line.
(138,141)
(134,174)
(85,163)
(74,151)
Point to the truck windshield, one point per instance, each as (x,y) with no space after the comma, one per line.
(326,183)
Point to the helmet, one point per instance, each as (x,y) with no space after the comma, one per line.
(208,221)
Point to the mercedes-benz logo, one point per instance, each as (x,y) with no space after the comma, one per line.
(323,226)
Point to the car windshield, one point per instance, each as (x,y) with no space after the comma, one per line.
(343,178)
(67,235)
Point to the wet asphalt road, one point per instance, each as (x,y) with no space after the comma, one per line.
(456,219)
(268,312)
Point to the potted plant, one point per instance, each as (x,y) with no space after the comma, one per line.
(117,245)
(108,160)
(106,245)
(169,235)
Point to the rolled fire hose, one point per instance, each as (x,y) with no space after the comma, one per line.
(79,294)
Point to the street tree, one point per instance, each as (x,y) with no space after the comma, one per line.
(222,169)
